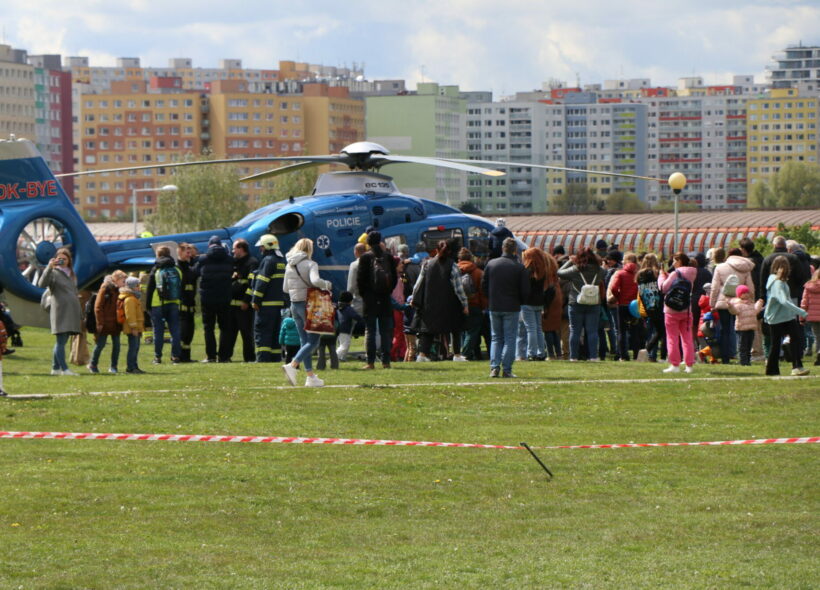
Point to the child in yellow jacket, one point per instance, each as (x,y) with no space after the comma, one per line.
(130,315)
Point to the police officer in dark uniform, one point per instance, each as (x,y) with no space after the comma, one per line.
(268,299)
(187,304)
(244,266)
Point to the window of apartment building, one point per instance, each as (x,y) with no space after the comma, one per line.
(189,102)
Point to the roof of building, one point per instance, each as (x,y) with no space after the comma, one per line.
(647,221)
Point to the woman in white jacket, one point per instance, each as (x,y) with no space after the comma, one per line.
(302,272)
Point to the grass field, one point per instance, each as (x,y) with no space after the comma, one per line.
(100,514)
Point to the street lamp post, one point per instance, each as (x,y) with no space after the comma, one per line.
(676,182)
(167,187)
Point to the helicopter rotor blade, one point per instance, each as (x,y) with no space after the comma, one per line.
(202,163)
(442,163)
(560,168)
(286,169)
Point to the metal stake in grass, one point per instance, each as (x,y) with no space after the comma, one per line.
(534,456)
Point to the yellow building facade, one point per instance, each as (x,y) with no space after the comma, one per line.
(780,128)
(132,127)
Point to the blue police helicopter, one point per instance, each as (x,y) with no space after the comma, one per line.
(37,217)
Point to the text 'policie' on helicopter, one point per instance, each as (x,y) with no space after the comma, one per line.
(37,217)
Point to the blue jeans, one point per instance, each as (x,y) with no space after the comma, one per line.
(385,323)
(553,344)
(133,351)
(98,348)
(168,312)
(534,335)
(503,327)
(310,342)
(586,318)
(58,358)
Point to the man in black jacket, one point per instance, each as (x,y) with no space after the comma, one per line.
(244,266)
(506,283)
(215,269)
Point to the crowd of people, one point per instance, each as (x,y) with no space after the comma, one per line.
(442,303)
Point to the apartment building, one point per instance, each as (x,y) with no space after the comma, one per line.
(132,125)
(429,122)
(53,116)
(796,67)
(782,127)
(17,95)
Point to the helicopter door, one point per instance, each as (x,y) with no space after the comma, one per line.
(432,237)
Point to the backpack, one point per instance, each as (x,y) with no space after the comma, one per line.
(730,286)
(468,284)
(90,316)
(380,276)
(679,296)
(121,311)
(169,285)
(589,294)
(650,296)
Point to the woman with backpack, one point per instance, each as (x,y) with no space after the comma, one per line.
(727,276)
(677,308)
(106,324)
(376,279)
(586,278)
(651,305)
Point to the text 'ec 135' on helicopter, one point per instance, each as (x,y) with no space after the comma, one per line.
(37,217)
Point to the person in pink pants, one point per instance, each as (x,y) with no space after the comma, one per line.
(678,323)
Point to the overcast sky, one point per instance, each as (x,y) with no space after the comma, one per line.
(499,45)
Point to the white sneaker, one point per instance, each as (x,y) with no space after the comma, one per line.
(672,369)
(422,358)
(56,372)
(458,358)
(688,369)
(69,373)
(800,372)
(313,381)
(290,373)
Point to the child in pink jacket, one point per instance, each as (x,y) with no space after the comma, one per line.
(745,311)
(811,303)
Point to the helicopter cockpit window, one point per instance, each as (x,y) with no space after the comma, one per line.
(286,224)
(478,241)
(393,243)
(432,237)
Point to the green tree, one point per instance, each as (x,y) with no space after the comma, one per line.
(762,197)
(207,197)
(623,201)
(795,186)
(576,198)
(669,205)
(297,183)
(802,234)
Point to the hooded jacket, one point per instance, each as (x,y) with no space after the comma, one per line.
(779,306)
(105,309)
(623,285)
(477,299)
(745,312)
(734,265)
(300,273)
(215,269)
(811,300)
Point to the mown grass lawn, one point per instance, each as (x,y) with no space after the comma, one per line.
(100,514)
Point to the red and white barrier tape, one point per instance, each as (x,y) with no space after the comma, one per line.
(378,442)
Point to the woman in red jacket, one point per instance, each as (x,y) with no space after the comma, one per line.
(623,289)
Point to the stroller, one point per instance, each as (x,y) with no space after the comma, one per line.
(708,339)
